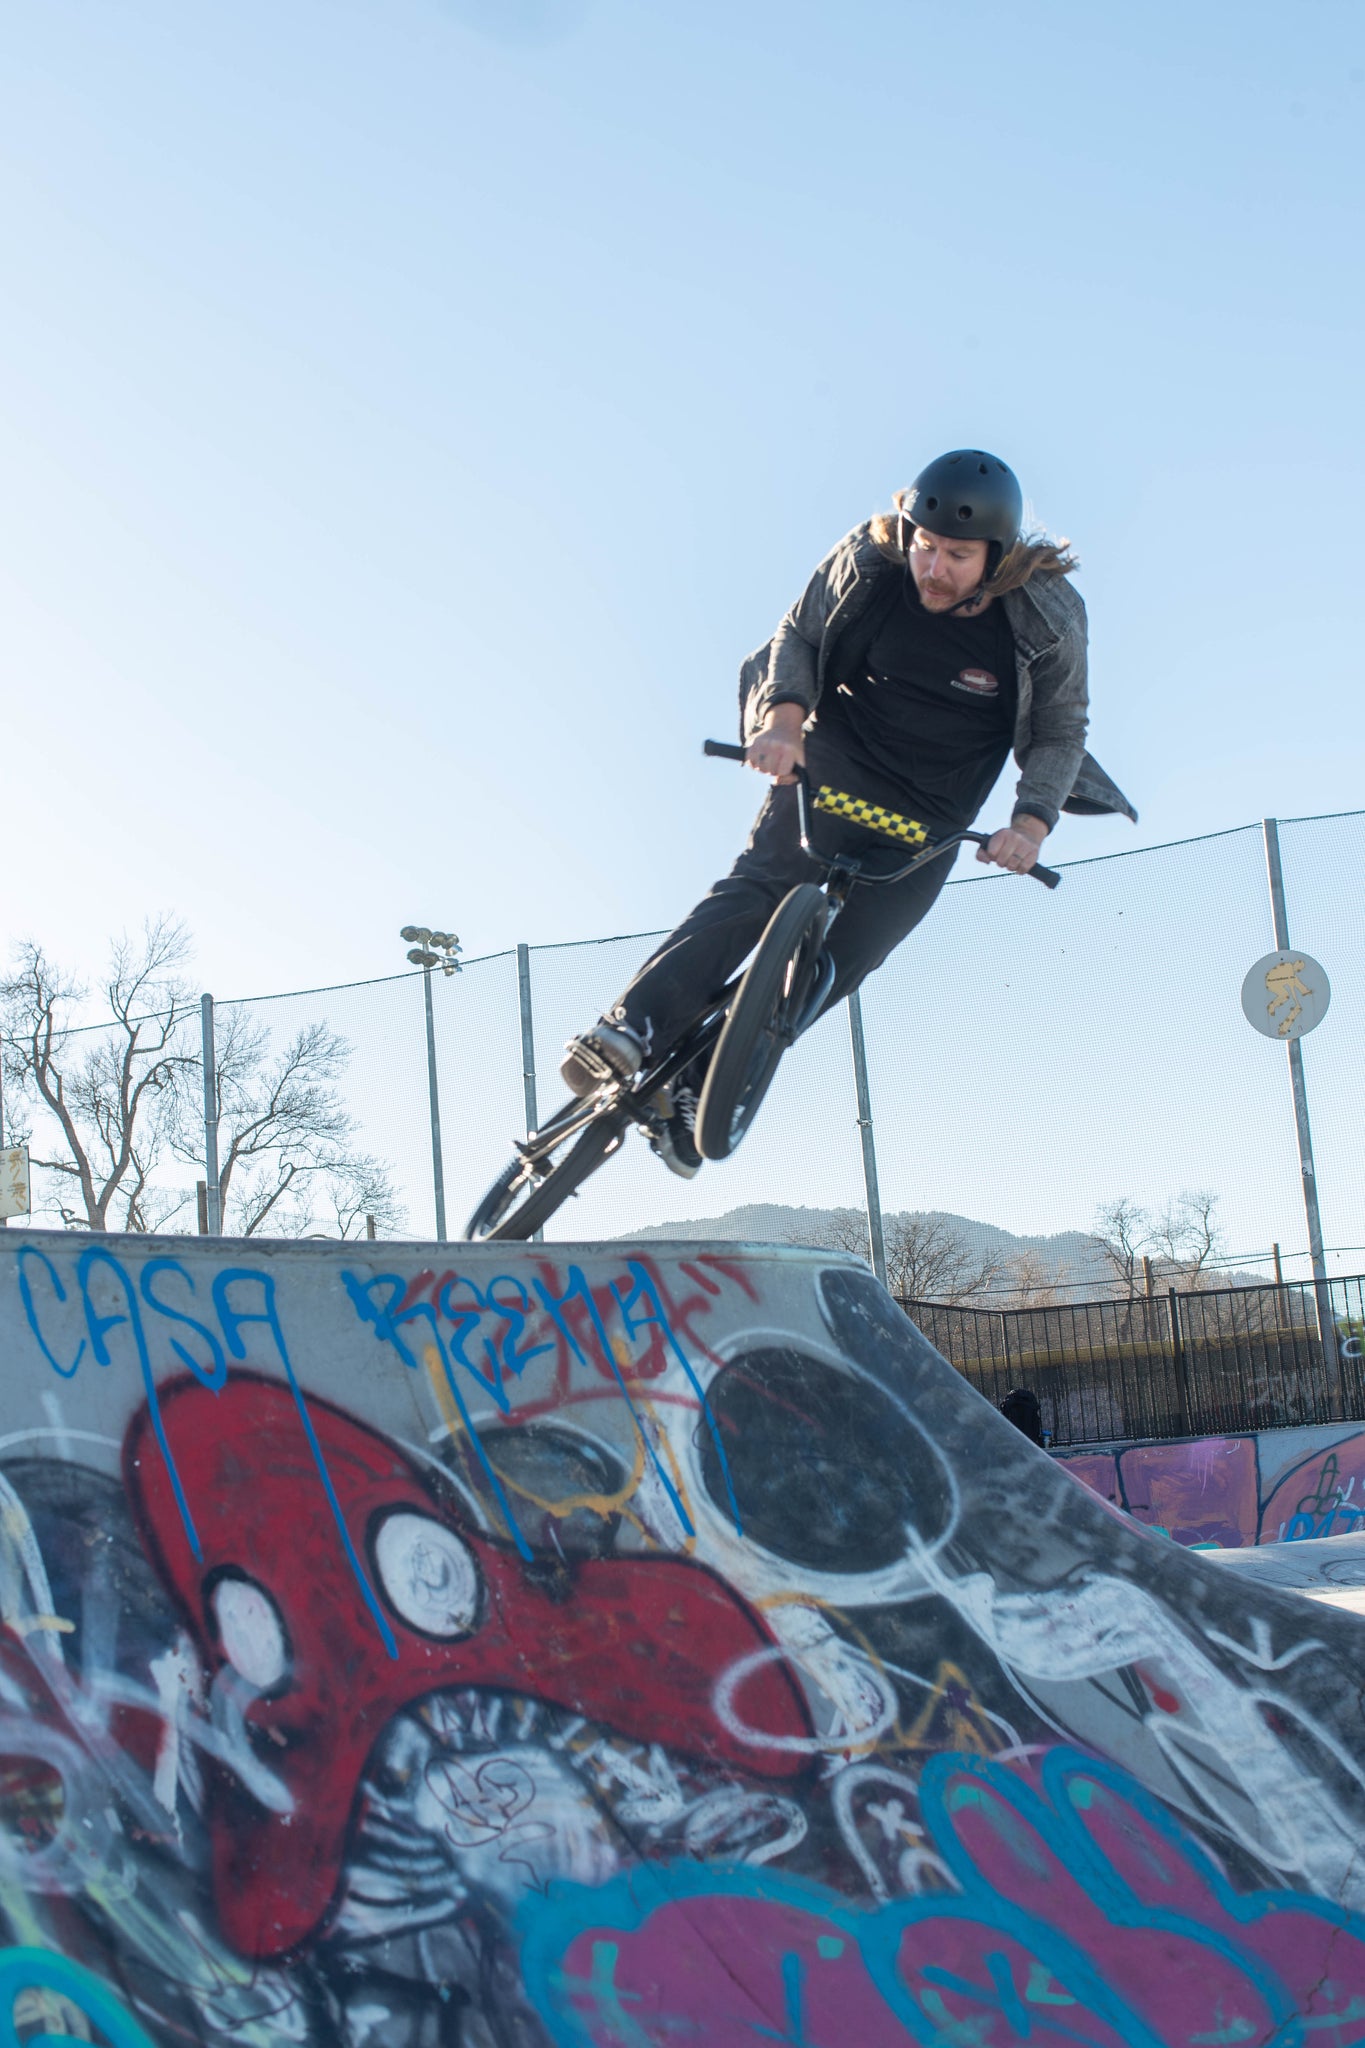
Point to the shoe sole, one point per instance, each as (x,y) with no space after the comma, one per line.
(583,1071)
(677,1167)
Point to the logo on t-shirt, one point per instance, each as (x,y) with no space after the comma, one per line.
(979,681)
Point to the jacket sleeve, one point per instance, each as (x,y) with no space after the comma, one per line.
(1056,747)
(787,669)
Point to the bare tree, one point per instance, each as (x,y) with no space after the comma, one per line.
(927,1258)
(1181,1243)
(1031,1283)
(1187,1237)
(287,1160)
(105,1098)
(845,1231)
(1122,1230)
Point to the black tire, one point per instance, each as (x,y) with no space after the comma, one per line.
(763,1013)
(518,1202)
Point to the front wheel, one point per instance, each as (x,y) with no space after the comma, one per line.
(764,1015)
(529,1191)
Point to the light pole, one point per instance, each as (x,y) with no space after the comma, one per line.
(427,950)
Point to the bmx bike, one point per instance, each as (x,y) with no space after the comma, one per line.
(739,1035)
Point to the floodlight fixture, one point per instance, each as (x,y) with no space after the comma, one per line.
(421,941)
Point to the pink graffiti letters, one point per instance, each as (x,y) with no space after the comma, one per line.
(1082,1912)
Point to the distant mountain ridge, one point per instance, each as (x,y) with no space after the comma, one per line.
(1065,1255)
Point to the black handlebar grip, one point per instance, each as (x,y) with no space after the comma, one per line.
(1049,877)
(721,750)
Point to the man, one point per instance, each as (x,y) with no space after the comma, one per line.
(927,643)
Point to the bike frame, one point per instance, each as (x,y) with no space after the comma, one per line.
(633,1099)
(842,873)
(636,1101)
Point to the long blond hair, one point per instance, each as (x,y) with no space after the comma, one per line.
(1033,554)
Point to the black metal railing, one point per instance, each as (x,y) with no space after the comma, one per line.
(1170,1364)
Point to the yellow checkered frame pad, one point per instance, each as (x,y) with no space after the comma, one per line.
(876,817)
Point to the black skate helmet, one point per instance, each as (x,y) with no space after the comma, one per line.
(966,495)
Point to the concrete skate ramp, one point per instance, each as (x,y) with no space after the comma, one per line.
(1328,1568)
(419,1646)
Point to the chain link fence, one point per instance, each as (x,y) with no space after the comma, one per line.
(1030,1057)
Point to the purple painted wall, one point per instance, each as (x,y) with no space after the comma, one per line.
(1279,1486)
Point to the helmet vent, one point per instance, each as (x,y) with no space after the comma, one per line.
(931,504)
(964,511)
(982,469)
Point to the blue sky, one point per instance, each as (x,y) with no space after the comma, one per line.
(412,412)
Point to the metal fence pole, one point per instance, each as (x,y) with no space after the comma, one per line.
(1298,1087)
(528,1047)
(528,1036)
(213,1207)
(864,1094)
(438,1178)
(1182,1379)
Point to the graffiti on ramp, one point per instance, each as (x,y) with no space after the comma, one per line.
(565,1646)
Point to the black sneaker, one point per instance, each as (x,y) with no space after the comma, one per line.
(676,1142)
(608,1052)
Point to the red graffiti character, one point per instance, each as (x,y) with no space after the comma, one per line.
(323,1617)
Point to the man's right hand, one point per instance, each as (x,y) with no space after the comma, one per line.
(780,744)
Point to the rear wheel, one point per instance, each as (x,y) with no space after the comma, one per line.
(529,1192)
(764,1014)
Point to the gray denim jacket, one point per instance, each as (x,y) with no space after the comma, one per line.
(1047,619)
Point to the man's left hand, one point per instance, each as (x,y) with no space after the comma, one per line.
(1016,847)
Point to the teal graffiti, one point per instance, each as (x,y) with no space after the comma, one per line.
(41,1969)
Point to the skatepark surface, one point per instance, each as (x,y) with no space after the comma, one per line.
(499,1646)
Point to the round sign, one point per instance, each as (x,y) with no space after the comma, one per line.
(1286,994)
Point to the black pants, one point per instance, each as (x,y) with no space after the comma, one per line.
(692,966)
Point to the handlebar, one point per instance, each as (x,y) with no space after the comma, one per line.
(722,750)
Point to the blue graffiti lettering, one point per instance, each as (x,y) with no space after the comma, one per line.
(232,1321)
(99,1326)
(465,1322)
(644,1289)
(213,1376)
(388,1321)
(25,1256)
(515,1360)
(579,1290)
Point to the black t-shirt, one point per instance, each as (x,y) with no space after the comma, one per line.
(924,723)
